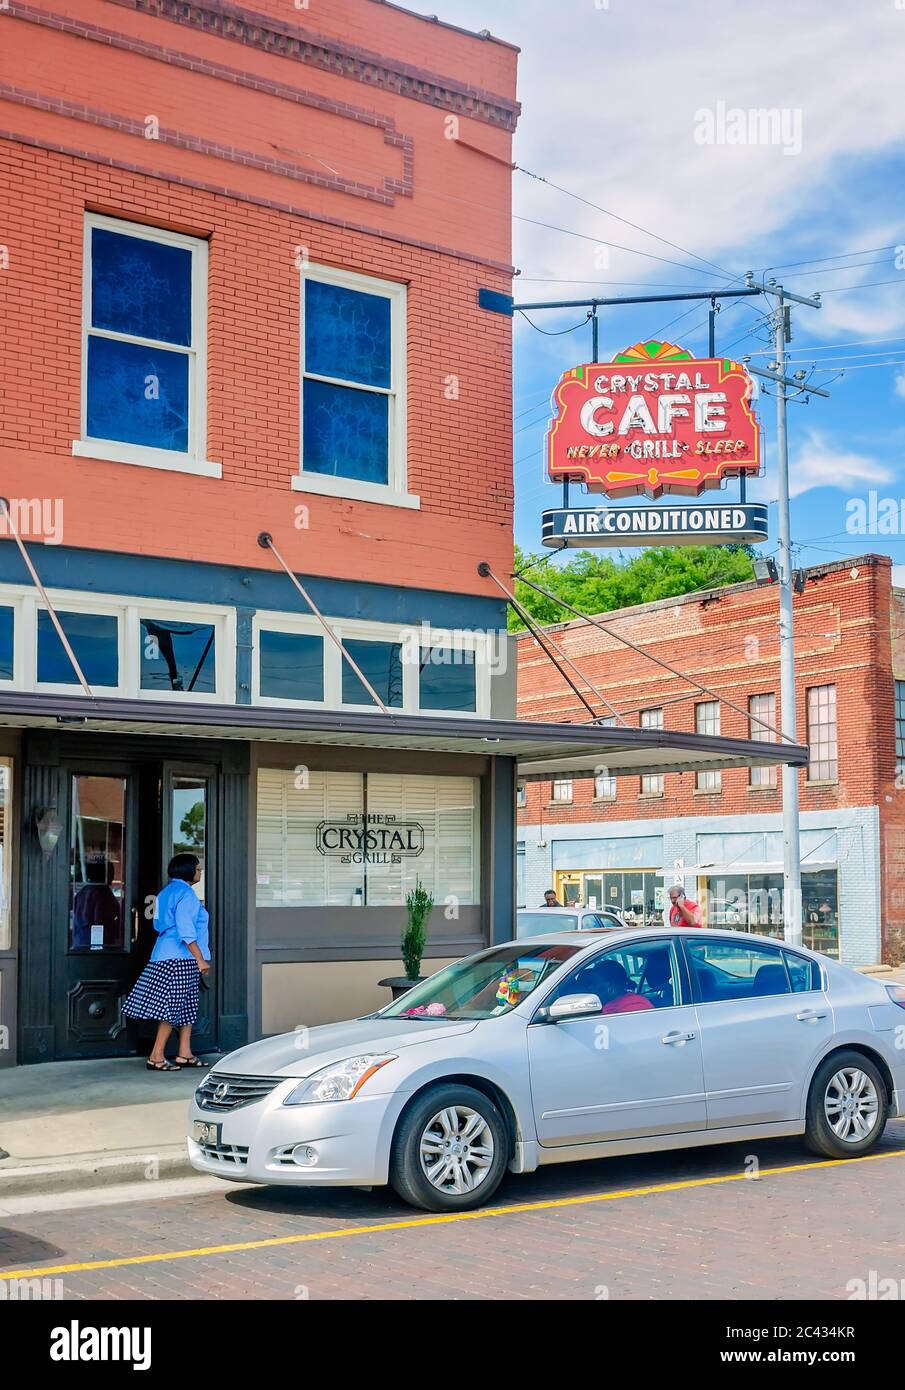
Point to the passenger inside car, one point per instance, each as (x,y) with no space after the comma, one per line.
(610,983)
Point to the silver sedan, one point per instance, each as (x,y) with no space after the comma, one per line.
(566,1046)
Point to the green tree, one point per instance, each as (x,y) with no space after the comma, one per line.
(597,582)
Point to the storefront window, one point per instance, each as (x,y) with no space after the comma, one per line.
(754,902)
(381,663)
(6,830)
(177,656)
(291,666)
(94,639)
(97,864)
(447,680)
(339,839)
(7,619)
(635,893)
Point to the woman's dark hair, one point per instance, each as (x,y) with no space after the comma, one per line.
(183,866)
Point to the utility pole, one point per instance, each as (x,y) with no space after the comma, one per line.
(791,835)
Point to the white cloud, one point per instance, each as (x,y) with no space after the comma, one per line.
(611,95)
(815,463)
(900,384)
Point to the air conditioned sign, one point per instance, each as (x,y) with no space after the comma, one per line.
(370,839)
(628,526)
(655,420)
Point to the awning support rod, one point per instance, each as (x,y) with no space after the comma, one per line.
(7,513)
(487,573)
(705,690)
(265,541)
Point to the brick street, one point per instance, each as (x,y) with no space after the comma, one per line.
(796,1234)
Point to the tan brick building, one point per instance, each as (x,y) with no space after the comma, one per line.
(619,841)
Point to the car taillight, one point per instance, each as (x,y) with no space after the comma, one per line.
(897,994)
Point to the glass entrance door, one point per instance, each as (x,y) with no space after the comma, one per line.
(188,828)
(100,928)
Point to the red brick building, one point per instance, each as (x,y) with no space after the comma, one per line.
(615,840)
(251,261)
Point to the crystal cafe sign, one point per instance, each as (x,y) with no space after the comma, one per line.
(370,839)
(655,420)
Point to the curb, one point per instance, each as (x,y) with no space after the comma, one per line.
(26,1177)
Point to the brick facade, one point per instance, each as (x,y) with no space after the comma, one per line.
(268,156)
(727,639)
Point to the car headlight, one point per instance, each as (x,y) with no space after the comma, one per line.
(338,1081)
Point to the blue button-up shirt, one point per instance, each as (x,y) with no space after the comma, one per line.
(181,916)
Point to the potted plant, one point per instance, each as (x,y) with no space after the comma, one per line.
(418,904)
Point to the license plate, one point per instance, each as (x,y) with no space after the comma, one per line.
(206,1132)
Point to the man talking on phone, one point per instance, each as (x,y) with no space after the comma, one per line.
(682,911)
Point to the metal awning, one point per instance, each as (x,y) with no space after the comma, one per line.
(542,750)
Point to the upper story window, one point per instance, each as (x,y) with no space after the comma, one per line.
(521,796)
(561,790)
(900,725)
(353,398)
(136,648)
(762,713)
(604,783)
(822,736)
(416,669)
(707,721)
(652,783)
(144,376)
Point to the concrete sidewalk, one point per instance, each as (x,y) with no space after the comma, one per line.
(89,1124)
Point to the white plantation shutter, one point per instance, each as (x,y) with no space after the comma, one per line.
(448,809)
(291,872)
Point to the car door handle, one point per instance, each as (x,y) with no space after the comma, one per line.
(672,1038)
(810,1015)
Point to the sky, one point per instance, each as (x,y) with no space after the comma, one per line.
(632,105)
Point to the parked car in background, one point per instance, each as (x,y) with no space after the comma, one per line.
(566,1046)
(536,921)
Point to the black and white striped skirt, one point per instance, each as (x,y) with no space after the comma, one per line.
(167,991)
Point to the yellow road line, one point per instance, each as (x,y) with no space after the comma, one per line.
(515,1209)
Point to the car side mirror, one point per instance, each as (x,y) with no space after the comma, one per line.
(573,1006)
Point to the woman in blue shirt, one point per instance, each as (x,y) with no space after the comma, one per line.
(166,991)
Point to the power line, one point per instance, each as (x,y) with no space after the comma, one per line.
(634,225)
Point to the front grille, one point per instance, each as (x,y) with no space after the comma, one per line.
(229,1155)
(221,1092)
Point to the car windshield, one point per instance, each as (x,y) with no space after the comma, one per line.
(481,986)
(539,923)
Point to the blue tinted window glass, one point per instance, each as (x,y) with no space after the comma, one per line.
(347,334)
(6,644)
(292,666)
(447,680)
(141,287)
(177,656)
(93,638)
(138,394)
(346,432)
(381,662)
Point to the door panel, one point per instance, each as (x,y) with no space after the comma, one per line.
(95,940)
(635,1068)
(758,1048)
(188,828)
(613,1077)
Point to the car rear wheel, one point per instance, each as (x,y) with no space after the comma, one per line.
(450,1150)
(846,1107)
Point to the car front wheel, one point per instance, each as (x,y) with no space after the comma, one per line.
(450,1151)
(846,1107)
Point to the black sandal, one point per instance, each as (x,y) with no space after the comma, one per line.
(160,1066)
(190,1062)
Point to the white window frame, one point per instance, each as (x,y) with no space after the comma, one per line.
(120,451)
(555,798)
(129,612)
(707,721)
(394,492)
(651,783)
(349,629)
